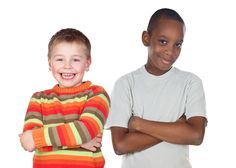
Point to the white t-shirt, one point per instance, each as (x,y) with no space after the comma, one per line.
(159,98)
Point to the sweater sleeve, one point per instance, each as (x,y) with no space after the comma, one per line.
(33,118)
(75,133)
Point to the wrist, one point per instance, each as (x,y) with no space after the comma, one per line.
(38,138)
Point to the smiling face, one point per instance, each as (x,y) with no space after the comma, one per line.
(68,62)
(164,45)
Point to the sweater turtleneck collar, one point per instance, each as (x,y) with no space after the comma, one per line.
(79,88)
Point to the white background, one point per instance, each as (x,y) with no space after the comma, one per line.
(114,29)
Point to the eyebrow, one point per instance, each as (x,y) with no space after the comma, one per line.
(163,36)
(60,55)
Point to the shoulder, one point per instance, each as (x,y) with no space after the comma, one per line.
(42,93)
(128,79)
(188,76)
(191,81)
(98,89)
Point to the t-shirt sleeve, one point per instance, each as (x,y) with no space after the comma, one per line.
(121,104)
(195,104)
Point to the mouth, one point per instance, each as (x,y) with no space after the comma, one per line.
(166,61)
(67,76)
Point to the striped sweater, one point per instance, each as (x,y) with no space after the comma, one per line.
(64,118)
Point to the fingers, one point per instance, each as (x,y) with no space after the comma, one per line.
(98,145)
(93,149)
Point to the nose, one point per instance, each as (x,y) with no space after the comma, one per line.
(169,50)
(67,65)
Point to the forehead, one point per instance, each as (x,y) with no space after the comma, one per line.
(69,48)
(65,42)
(62,45)
(169,27)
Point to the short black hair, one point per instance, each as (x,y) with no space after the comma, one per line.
(166,13)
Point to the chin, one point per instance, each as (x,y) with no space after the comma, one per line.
(165,68)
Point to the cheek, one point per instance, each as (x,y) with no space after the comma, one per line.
(156,53)
(157,50)
(55,67)
(54,71)
(80,66)
(176,53)
(58,64)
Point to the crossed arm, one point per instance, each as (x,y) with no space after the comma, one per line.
(84,132)
(143,134)
(27,142)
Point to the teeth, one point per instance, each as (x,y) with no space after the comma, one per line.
(67,76)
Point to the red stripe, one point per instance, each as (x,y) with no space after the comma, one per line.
(61,136)
(55,110)
(90,128)
(34,107)
(98,106)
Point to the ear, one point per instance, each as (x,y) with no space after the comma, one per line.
(88,64)
(146,38)
(49,64)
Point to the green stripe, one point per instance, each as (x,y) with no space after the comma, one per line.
(76,134)
(33,121)
(104,98)
(69,152)
(42,100)
(96,112)
(47,138)
(83,131)
(93,117)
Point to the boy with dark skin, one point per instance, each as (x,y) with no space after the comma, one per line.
(158,110)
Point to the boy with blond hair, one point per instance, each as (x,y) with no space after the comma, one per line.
(64,124)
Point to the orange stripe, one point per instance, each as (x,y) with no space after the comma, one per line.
(33,106)
(32,103)
(64,135)
(67,105)
(103,102)
(100,104)
(66,162)
(70,135)
(37,135)
(94,125)
(30,126)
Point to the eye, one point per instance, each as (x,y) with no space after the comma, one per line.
(59,59)
(178,45)
(76,60)
(162,42)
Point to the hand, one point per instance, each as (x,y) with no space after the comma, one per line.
(132,125)
(27,141)
(93,144)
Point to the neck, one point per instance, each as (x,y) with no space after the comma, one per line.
(154,70)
